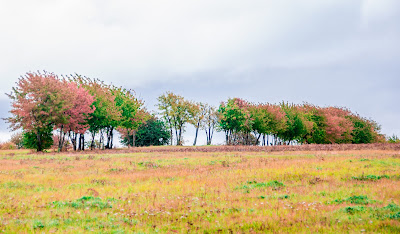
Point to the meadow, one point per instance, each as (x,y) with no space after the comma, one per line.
(194,191)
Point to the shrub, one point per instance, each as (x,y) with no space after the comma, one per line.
(17,139)
(7,146)
(30,139)
(393,139)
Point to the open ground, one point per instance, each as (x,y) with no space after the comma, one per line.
(180,191)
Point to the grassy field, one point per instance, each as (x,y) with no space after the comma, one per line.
(206,192)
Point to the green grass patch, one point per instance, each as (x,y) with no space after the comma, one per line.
(85,202)
(358,200)
(354,209)
(370,177)
(274,184)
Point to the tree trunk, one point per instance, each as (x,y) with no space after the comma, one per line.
(82,138)
(112,137)
(60,143)
(39,141)
(80,142)
(210,133)
(197,131)
(133,138)
(179,137)
(92,143)
(258,139)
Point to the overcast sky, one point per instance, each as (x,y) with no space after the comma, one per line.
(330,52)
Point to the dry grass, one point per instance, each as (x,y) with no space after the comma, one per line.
(275,148)
(187,191)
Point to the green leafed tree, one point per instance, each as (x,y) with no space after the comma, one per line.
(209,122)
(365,131)
(151,133)
(176,112)
(234,119)
(30,138)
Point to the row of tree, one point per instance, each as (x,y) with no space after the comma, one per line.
(178,112)
(72,106)
(245,123)
(48,107)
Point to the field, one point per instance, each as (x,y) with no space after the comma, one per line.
(207,192)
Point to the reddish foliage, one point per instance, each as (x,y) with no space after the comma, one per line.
(338,127)
(80,109)
(39,100)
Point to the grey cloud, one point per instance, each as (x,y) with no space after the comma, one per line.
(333,52)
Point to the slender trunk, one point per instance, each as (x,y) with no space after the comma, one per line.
(72,137)
(82,137)
(258,139)
(211,133)
(39,141)
(207,140)
(80,142)
(75,140)
(197,131)
(101,146)
(60,143)
(180,137)
(109,131)
(172,137)
(133,137)
(92,143)
(170,129)
(177,137)
(111,137)
(130,139)
(108,137)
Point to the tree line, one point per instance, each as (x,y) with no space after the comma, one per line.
(64,110)
(47,108)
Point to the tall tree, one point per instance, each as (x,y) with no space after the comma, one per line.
(78,115)
(209,122)
(39,102)
(197,114)
(133,114)
(298,123)
(165,106)
(267,119)
(234,118)
(106,113)
(176,111)
(365,131)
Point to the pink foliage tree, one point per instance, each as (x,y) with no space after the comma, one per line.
(78,113)
(338,126)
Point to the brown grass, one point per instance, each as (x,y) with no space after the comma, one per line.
(173,190)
